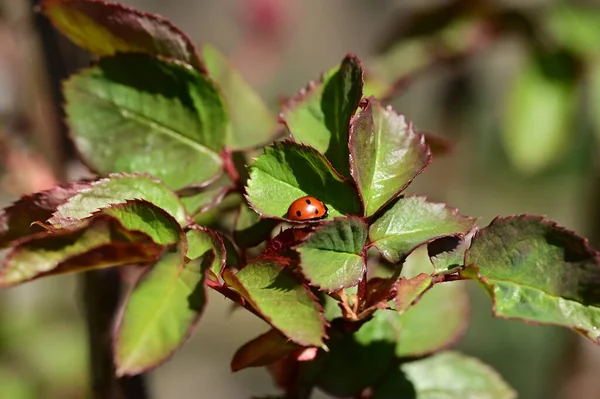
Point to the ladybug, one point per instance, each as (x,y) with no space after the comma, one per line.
(307,208)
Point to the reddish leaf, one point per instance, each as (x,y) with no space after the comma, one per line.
(410,290)
(263,350)
(106,28)
(99,242)
(16,220)
(438,145)
(386,154)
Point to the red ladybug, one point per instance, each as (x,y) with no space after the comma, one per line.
(307,208)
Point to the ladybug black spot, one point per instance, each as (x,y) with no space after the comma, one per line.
(298,213)
(308,201)
(316,211)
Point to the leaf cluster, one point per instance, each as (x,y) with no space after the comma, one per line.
(195,179)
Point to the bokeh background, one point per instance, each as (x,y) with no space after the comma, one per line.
(469,98)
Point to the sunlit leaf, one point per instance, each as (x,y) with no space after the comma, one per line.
(136,113)
(288,171)
(281,299)
(320,116)
(117,189)
(386,153)
(106,28)
(143,216)
(160,312)
(332,257)
(412,221)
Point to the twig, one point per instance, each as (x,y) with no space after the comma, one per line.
(101,292)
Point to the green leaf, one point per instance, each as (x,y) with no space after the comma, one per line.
(135,113)
(19,220)
(253,124)
(538,125)
(387,154)
(420,305)
(197,200)
(117,189)
(201,241)
(205,200)
(331,308)
(288,171)
(263,350)
(144,216)
(320,116)
(250,229)
(419,327)
(355,361)
(412,221)
(448,375)
(332,257)
(283,302)
(448,259)
(105,28)
(160,312)
(98,242)
(538,272)
(223,213)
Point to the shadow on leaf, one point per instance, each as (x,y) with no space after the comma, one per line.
(197,299)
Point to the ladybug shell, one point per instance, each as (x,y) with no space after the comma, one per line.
(307,208)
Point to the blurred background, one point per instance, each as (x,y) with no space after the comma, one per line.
(514,85)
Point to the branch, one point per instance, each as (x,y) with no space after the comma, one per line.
(101,292)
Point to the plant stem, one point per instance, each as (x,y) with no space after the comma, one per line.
(101,292)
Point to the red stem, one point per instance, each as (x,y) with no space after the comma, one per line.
(229,167)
